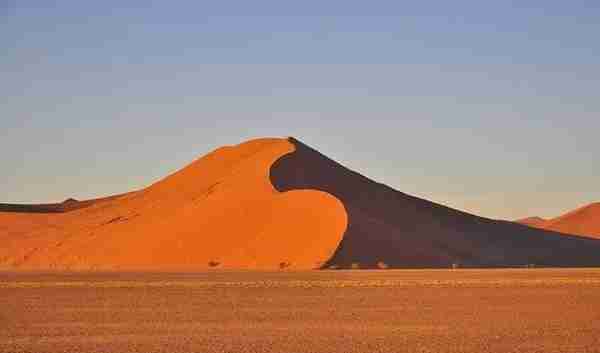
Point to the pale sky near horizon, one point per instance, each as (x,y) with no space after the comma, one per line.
(489,107)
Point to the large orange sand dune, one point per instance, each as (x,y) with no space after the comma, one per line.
(267,204)
(219,211)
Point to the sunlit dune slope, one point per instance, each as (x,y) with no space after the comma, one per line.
(220,211)
(388,227)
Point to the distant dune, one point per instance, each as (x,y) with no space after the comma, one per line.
(268,204)
(65,206)
(537,222)
(584,221)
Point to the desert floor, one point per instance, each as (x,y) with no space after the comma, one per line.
(519,310)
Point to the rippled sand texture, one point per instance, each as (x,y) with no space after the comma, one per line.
(528,310)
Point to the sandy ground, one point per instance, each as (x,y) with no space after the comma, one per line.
(528,310)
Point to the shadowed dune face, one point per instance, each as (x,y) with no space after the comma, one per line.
(399,230)
(220,211)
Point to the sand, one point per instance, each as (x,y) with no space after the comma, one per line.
(534,310)
(220,211)
(270,204)
(582,221)
(389,227)
(537,222)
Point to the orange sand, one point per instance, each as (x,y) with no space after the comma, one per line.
(583,221)
(220,211)
(277,203)
(537,222)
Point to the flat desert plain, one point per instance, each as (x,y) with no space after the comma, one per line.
(509,310)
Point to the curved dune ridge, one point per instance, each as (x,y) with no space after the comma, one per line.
(387,228)
(268,204)
(584,221)
(220,211)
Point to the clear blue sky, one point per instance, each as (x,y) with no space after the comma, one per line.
(489,106)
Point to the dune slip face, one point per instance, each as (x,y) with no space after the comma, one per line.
(387,228)
(271,204)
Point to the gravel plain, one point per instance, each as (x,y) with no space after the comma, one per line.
(509,310)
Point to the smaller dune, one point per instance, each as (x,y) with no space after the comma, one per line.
(67,205)
(537,222)
(584,221)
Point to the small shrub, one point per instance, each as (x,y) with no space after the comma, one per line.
(284,265)
(213,263)
(382,265)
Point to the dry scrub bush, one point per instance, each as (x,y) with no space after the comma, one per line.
(382,265)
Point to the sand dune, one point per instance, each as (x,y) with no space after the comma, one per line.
(220,211)
(272,203)
(537,222)
(399,230)
(584,221)
(65,206)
